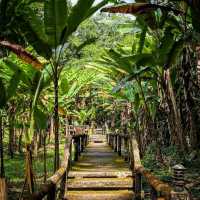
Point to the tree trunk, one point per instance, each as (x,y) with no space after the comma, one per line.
(11,134)
(29,178)
(180,138)
(35,143)
(21,130)
(198,64)
(51,129)
(56,120)
(192,118)
(45,156)
(2,171)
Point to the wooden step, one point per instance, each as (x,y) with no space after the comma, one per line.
(100,183)
(99,174)
(100,195)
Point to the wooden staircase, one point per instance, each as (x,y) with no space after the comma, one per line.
(100,174)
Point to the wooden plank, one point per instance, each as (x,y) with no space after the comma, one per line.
(3,189)
(100,174)
(100,195)
(100,183)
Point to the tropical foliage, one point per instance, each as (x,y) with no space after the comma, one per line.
(63,62)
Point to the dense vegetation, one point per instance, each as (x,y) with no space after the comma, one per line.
(65,63)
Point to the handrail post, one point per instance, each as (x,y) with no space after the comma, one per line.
(115,147)
(82,143)
(79,145)
(112,141)
(119,145)
(76,149)
(63,185)
(86,140)
(125,148)
(138,186)
(154,194)
(70,155)
(52,193)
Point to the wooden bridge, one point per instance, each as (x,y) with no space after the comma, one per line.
(105,167)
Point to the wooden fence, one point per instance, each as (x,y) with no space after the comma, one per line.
(79,141)
(159,189)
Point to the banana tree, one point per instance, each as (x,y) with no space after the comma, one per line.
(60,22)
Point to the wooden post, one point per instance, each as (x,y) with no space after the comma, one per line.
(107,138)
(154,194)
(138,186)
(3,189)
(76,143)
(52,193)
(119,145)
(70,156)
(111,141)
(63,186)
(86,140)
(115,147)
(125,148)
(79,145)
(82,143)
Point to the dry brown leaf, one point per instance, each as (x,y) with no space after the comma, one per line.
(22,54)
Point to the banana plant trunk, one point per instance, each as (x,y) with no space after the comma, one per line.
(11,119)
(180,138)
(56,119)
(192,112)
(45,154)
(2,171)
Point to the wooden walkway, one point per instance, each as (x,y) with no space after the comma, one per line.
(100,174)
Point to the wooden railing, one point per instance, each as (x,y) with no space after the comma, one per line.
(79,141)
(159,189)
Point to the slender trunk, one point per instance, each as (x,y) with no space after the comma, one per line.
(29,171)
(56,120)
(66,126)
(45,157)
(2,171)
(11,135)
(198,64)
(35,143)
(179,131)
(20,140)
(40,139)
(192,119)
(51,129)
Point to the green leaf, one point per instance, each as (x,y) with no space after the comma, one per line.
(13,84)
(123,64)
(93,9)
(174,53)
(77,16)
(33,29)
(72,90)
(40,119)
(55,19)
(137,102)
(2,94)
(24,78)
(195,11)
(166,44)
(142,39)
(64,85)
